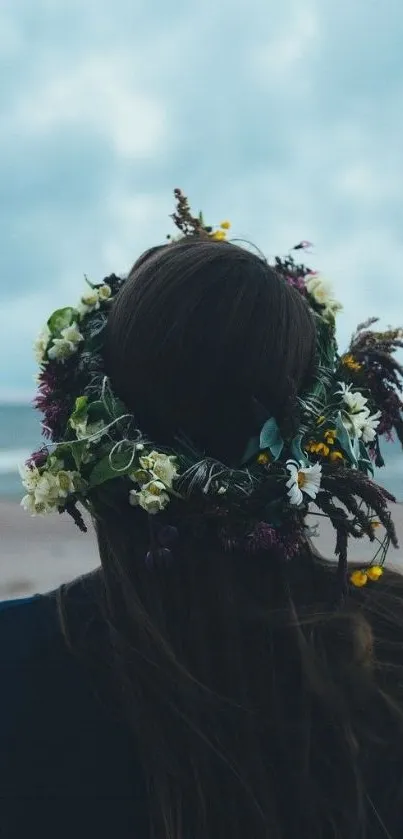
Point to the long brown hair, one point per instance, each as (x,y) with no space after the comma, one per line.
(258,711)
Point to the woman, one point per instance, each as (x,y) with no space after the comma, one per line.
(214,678)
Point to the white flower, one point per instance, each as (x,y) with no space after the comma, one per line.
(357,419)
(164,468)
(152,497)
(104,292)
(67,345)
(303,480)
(29,477)
(369,427)
(353,423)
(322,293)
(91,301)
(46,488)
(34,508)
(41,344)
(65,481)
(28,503)
(60,349)
(146,462)
(161,466)
(72,333)
(354,400)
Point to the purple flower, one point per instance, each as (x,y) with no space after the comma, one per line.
(262,537)
(296,282)
(291,545)
(38,458)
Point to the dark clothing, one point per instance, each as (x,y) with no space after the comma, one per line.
(67,766)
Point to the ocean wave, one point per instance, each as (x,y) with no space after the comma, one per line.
(11,459)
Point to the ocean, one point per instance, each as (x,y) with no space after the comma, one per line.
(20,434)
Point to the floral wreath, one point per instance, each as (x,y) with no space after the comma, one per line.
(94,441)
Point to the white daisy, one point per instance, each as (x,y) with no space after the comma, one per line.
(302,480)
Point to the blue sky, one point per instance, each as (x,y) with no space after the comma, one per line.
(286,117)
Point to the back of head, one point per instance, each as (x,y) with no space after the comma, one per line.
(249,682)
(200,332)
(246,728)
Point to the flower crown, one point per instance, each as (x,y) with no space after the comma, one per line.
(94,442)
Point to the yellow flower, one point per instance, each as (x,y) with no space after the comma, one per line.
(351,364)
(359,578)
(322,449)
(263,458)
(335,456)
(225,225)
(218,235)
(320,420)
(374,572)
(330,436)
(375,524)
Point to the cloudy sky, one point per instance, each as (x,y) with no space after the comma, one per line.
(286,117)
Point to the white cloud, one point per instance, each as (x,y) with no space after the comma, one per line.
(259,113)
(282,60)
(99,95)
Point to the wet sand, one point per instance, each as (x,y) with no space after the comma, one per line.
(38,554)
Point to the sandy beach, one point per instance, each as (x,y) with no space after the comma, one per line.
(38,554)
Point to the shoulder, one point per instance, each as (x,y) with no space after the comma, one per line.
(36,668)
(30,627)
(25,626)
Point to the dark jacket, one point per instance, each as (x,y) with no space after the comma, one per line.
(67,767)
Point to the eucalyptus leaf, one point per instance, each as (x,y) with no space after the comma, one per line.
(61,318)
(270,438)
(104,471)
(364,461)
(343,437)
(252,449)
(296,451)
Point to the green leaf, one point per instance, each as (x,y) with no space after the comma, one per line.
(345,441)
(80,410)
(252,449)
(61,318)
(77,451)
(104,471)
(64,453)
(270,438)
(296,451)
(364,461)
(97,411)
